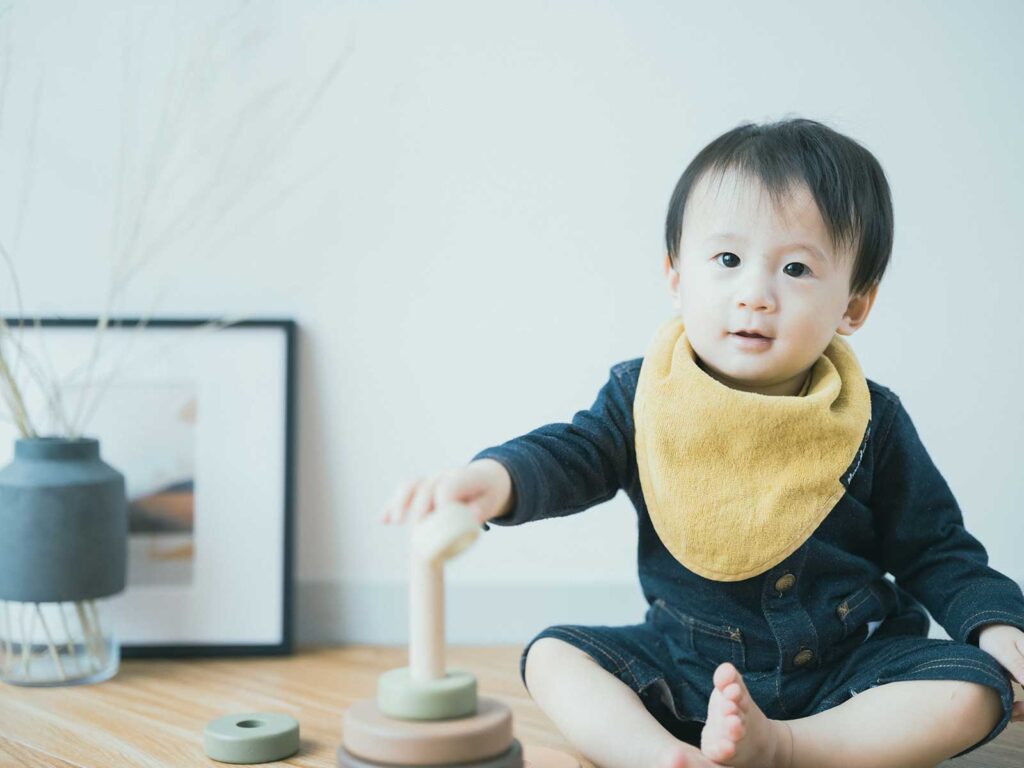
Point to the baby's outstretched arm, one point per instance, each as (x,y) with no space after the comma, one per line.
(1006,645)
(560,469)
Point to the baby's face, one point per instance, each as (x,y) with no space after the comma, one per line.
(744,265)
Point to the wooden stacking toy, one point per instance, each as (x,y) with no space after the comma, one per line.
(426,714)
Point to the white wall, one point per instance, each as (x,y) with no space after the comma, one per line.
(476,235)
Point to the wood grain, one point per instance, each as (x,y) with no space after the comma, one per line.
(153,712)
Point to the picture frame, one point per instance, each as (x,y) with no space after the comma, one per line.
(199,417)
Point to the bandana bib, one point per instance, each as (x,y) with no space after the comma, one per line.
(736,481)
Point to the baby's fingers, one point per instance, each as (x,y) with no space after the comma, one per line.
(1017,713)
(423,501)
(399,502)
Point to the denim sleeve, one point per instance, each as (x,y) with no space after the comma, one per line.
(563,468)
(925,545)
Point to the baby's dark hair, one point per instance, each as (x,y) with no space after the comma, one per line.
(844,178)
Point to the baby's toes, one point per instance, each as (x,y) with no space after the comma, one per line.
(725,673)
(718,749)
(720,708)
(734,693)
(734,727)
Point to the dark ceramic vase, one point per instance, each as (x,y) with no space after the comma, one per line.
(63,550)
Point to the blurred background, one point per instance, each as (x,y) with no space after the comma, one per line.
(462,205)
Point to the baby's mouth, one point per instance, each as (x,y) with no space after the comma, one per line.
(751,342)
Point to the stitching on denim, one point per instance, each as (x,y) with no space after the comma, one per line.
(691,622)
(960,660)
(589,642)
(847,626)
(632,673)
(985,674)
(612,656)
(609,652)
(778,694)
(851,608)
(968,620)
(985,671)
(966,663)
(860,454)
(816,648)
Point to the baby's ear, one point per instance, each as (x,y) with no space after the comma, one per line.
(672,277)
(857,311)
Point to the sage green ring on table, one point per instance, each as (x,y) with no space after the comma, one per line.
(453,695)
(251,737)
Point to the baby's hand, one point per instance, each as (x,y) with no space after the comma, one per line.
(483,485)
(1006,645)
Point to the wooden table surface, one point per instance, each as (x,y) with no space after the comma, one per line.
(153,712)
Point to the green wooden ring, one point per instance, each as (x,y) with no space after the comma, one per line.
(251,737)
(453,695)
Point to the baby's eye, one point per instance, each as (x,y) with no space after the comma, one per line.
(804,269)
(737,258)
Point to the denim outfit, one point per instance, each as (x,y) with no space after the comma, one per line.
(821,626)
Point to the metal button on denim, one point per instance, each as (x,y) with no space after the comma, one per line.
(803,657)
(785,582)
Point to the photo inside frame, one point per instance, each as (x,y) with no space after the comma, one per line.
(151,428)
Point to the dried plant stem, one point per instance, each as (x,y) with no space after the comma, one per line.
(83,621)
(17,640)
(11,390)
(12,396)
(26,639)
(47,380)
(213,325)
(49,644)
(145,230)
(101,644)
(67,637)
(87,634)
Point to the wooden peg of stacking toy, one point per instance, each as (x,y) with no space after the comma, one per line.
(426,714)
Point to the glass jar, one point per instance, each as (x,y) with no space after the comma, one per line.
(66,643)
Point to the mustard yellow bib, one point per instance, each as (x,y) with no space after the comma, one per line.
(736,481)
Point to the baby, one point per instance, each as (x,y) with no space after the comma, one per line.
(776,490)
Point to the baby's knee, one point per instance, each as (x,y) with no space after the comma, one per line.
(977,703)
(545,656)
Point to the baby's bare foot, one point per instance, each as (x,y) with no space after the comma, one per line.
(682,755)
(737,732)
